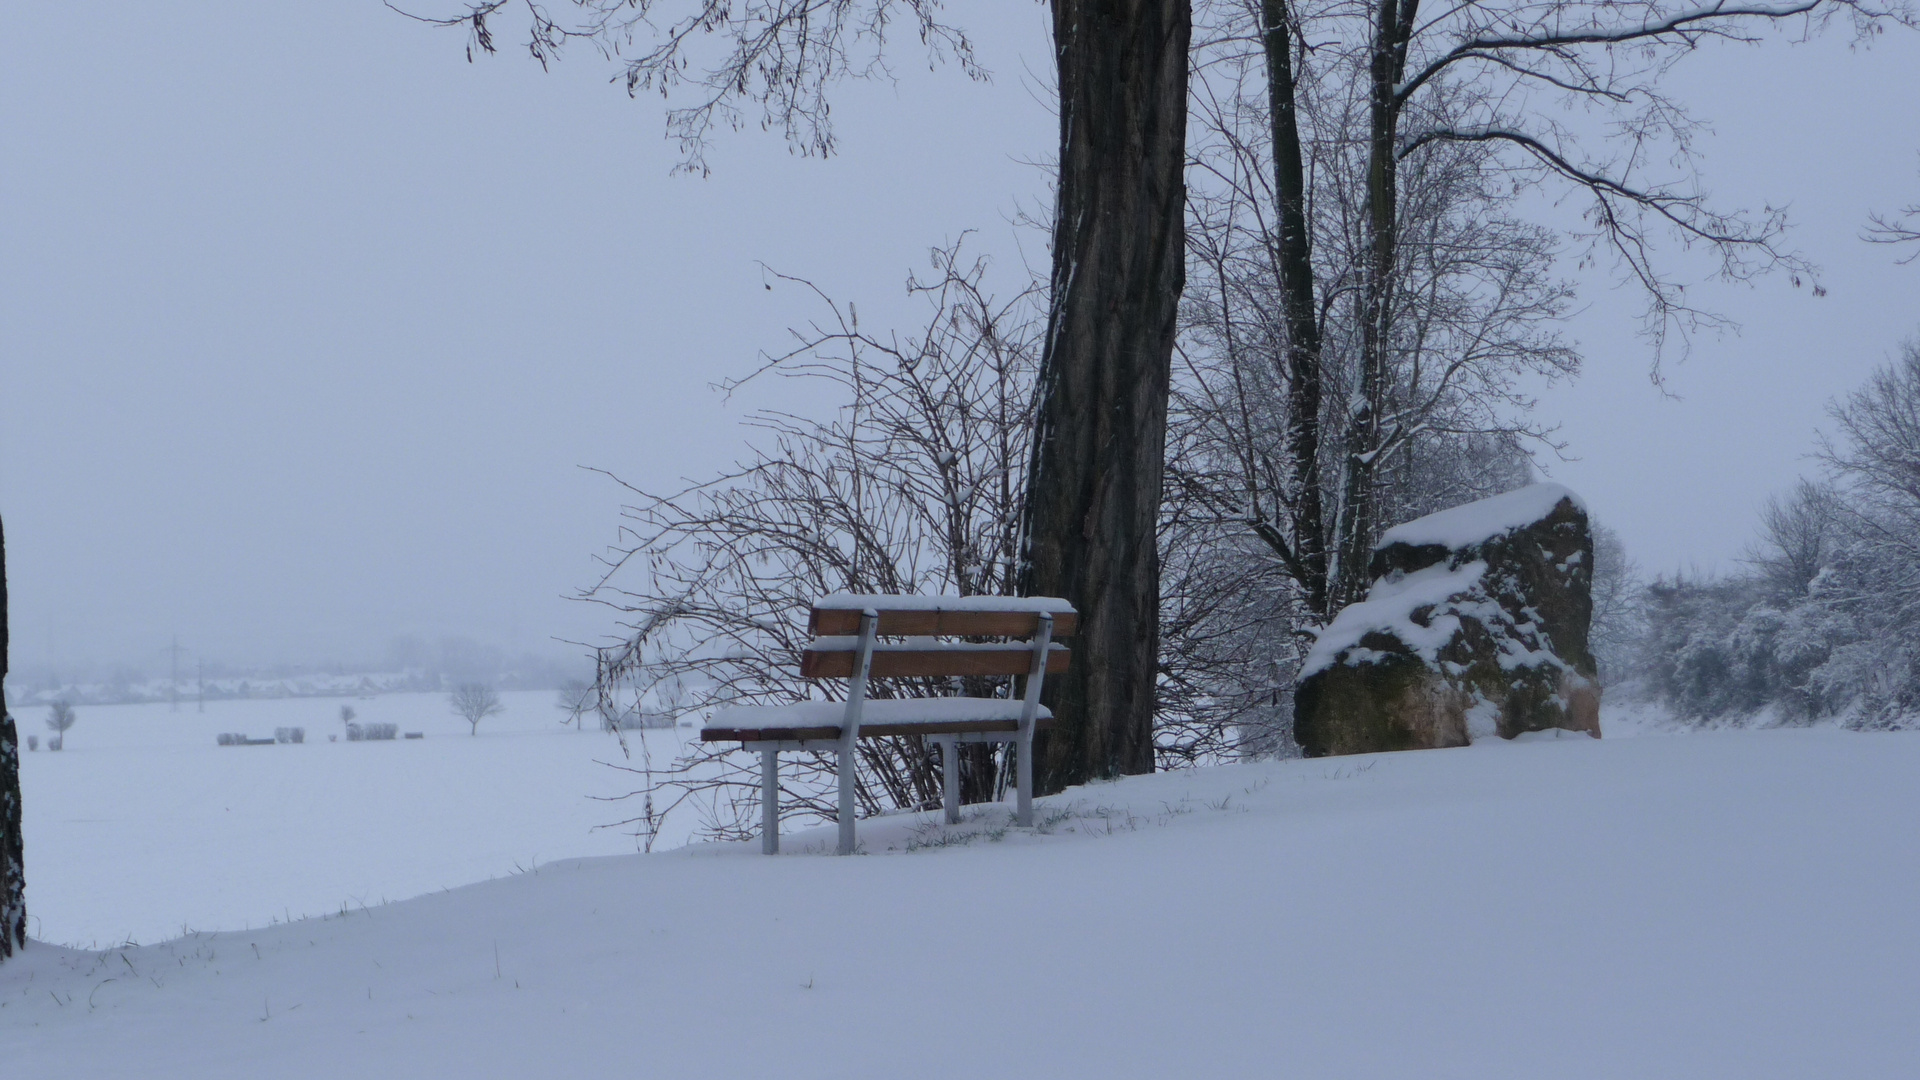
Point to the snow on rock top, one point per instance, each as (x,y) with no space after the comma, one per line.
(860,602)
(1389,607)
(1460,526)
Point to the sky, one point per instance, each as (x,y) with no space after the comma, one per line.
(311,331)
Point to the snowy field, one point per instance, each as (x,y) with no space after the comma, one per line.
(1734,904)
(143,827)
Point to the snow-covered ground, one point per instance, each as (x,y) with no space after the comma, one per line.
(143,827)
(1735,904)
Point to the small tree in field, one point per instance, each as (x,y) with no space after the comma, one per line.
(576,698)
(475,702)
(59,718)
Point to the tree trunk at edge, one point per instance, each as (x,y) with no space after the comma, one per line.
(1094,488)
(13,881)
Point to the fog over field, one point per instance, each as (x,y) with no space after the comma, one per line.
(142,827)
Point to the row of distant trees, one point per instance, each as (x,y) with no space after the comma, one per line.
(412,664)
(1823,620)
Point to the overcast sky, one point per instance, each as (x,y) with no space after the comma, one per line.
(307,325)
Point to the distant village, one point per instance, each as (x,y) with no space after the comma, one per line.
(128,686)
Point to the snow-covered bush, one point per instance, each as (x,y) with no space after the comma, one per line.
(1826,619)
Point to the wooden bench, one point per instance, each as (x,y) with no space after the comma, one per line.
(847,631)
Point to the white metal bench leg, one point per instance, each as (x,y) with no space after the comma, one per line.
(950,778)
(1023,799)
(770,802)
(850,727)
(1042,641)
(846,802)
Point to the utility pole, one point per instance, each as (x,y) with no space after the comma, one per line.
(173,687)
(201,686)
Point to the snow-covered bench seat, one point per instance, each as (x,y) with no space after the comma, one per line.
(848,629)
(810,720)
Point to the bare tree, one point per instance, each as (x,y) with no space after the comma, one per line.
(1875,460)
(576,699)
(716,63)
(914,487)
(1904,229)
(1476,309)
(59,718)
(1619,614)
(1363,165)
(1478,306)
(1901,229)
(1368,311)
(1229,642)
(1798,534)
(474,702)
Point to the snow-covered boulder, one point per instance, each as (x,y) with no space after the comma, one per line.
(1475,625)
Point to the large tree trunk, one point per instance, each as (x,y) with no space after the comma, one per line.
(13,880)
(1118,266)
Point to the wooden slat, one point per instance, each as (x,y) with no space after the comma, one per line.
(950,727)
(784,734)
(1009,660)
(829,622)
(797,734)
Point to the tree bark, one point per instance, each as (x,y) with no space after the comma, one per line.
(1303,368)
(1366,431)
(13,880)
(1094,487)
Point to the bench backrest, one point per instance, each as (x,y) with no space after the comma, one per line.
(835,622)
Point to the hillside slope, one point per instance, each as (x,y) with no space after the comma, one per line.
(1726,905)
